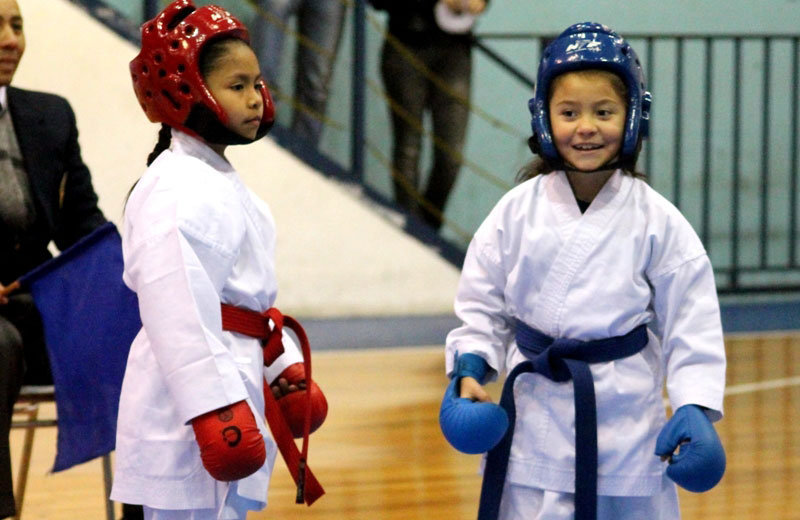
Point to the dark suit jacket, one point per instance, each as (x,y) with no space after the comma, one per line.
(60,183)
(413,22)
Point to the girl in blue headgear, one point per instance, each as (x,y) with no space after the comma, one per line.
(592,291)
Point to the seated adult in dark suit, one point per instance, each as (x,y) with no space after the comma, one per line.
(46,195)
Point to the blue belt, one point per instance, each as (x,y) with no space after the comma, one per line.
(559,360)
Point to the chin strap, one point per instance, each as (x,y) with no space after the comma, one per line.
(612,166)
(204,123)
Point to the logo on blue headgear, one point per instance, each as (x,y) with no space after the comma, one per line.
(583,46)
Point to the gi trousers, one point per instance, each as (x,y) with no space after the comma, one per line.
(527,503)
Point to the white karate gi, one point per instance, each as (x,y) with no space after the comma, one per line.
(632,258)
(194,236)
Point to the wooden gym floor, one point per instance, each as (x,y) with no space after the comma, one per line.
(381,456)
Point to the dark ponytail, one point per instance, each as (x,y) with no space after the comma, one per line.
(537,166)
(164,140)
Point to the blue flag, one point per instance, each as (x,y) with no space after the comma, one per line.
(90,319)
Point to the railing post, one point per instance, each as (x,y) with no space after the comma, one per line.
(359,89)
(794,163)
(738,75)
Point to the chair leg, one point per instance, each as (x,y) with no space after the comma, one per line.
(31,412)
(27,448)
(107,486)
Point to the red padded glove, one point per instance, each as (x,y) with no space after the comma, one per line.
(293,404)
(231,446)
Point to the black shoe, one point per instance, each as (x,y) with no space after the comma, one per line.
(132,512)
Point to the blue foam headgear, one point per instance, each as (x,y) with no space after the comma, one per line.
(583,46)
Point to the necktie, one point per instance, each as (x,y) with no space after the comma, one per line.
(14,211)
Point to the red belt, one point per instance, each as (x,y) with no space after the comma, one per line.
(256,325)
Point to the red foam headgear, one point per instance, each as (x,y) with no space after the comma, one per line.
(166,73)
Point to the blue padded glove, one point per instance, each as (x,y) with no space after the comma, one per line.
(700,464)
(471,427)
(470,365)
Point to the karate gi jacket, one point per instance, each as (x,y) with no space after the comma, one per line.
(194,236)
(631,258)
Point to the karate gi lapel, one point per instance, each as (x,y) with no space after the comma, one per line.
(581,234)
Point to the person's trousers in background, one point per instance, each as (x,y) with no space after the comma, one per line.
(413,91)
(23,359)
(320,22)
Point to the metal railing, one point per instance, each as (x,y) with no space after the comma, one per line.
(736,179)
(723,146)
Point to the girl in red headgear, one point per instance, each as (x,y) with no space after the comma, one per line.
(198,246)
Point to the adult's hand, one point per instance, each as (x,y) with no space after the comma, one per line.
(5,290)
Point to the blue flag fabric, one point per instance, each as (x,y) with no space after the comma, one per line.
(90,319)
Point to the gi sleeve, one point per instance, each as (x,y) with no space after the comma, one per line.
(178,273)
(689,325)
(480,304)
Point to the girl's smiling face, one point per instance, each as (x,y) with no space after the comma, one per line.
(235,81)
(587,117)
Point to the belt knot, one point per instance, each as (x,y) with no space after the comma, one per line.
(551,362)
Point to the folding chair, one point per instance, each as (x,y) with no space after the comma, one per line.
(27,406)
